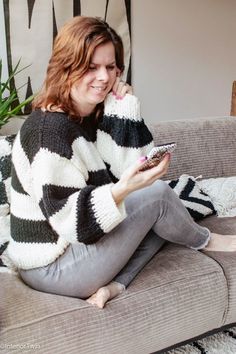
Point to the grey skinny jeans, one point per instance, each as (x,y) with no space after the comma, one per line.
(154,214)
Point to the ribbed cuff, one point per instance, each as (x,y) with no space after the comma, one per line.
(107,213)
(126,108)
(205,242)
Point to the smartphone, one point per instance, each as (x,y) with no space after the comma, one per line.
(155,156)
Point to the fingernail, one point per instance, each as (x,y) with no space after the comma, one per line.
(113,92)
(143,158)
(118,97)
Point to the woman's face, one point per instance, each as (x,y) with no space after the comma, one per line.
(97,82)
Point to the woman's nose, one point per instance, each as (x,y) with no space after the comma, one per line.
(103,75)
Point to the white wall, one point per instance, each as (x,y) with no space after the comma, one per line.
(183,57)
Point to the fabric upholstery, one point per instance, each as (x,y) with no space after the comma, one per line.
(203,146)
(225,226)
(156,311)
(180,294)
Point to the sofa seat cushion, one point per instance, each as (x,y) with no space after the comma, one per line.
(227,260)
(180,294)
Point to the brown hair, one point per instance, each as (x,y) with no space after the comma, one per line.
(72,52)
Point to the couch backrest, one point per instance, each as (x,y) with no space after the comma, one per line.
(206,146)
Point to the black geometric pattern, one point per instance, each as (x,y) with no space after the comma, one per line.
(197,202)
(223,342)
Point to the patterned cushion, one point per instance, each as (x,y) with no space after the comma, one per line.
(5,181)
(197,202)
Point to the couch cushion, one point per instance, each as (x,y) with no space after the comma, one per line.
(180,294)
(205,146)
(227,260)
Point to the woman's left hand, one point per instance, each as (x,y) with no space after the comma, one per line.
(121,88)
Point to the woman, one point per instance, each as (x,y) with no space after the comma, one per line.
(84,219)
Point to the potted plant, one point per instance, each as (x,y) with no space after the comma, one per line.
(9,104)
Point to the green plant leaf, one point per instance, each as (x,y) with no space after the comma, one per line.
(9,95)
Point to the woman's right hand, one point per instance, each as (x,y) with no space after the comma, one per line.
(132,179)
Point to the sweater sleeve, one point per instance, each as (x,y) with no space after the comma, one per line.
(76,211)
(122,135)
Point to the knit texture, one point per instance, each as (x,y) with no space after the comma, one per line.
(62,175)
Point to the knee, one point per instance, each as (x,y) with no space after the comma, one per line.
(162,189)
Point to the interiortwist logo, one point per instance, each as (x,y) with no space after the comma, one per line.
(21,346)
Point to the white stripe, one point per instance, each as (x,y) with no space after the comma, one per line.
(86,155)
(38,254)
(107,213)
(25,207)
(119,157)
(197,207)
(5,147)
(127,108)
(50,168)
(65,220)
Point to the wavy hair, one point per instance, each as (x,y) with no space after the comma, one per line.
(72,52)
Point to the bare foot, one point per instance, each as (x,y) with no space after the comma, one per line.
(105,293)
(221,243)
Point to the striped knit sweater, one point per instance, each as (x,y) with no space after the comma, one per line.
(62,175)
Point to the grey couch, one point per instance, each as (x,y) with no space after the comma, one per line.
(181,293)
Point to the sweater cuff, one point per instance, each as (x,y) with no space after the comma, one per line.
(107,213)
(127,108)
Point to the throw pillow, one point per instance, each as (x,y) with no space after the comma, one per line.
(197,202)
(5,181)
(222,192)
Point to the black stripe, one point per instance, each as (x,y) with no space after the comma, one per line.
(199,347)
(184,195)
(3,247)
(3,194)
(10,138)
(29,92)
(8,45)
(54,22)
(30,10)
(2,264)
(114,179)
(128,14)
(15,182)
(99,178)
(55,198)
(88,230)
(5,163)
(173,183)
(195,214)
(230,333)
(105,16)
(32,231)
(76,8)
(126,132)
(51,131)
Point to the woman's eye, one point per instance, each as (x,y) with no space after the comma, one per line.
(111,67)
(92,68)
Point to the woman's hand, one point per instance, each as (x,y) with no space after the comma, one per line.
(132,179)
(121,88)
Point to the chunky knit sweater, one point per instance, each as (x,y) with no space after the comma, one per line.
(62,175)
